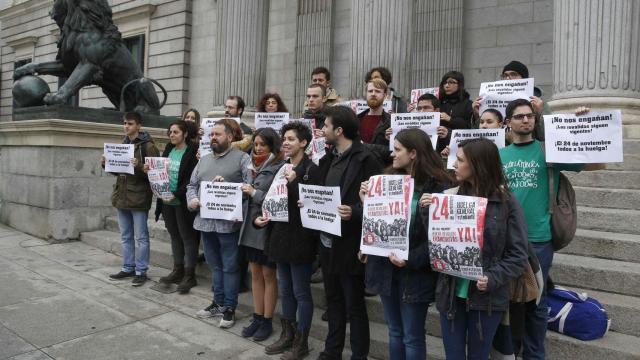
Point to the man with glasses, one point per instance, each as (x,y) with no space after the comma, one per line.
(526,171)
(234,107)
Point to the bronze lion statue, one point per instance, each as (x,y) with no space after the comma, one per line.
(91,52)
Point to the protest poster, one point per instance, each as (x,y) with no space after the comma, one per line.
(118,158)
(458,135)
(221,200)
(425,121)
(387,216)
(456,233)
(320,210)
(318,148)
(273,120)
(595,137)
(361,105)
(497,94)
(416,93)
(275,205)
(206,124)
(158,175)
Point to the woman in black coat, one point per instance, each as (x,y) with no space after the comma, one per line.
(456,111)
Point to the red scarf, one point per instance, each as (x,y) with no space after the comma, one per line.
(258,160)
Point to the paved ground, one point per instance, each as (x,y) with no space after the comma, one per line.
(56,302)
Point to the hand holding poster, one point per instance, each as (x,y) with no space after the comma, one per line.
(275,205)
(457,136)
(387,216)
(595,137)
(118,158)
(320,210)
(416,93)
(221,200)
(361,105)
(158,175)
(425,121)
(497,94)
(273,120)
(456,234)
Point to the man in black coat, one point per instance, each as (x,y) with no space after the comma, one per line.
(347,165)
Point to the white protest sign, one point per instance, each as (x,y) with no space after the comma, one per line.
(595,137)
(205,141)
(498,94)
(318,148)
(387,216)
(118,158)
(456,234)
(274,120)
(425,121)
(416,93)
(320,210)
(158,175)
(275,205)
(458,135)
(361,105)
(221,200)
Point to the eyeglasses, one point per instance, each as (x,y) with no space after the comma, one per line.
(529,116)
(451,82)
(510,75)
(420,108)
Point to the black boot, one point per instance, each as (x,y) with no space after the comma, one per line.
(285,341)
(175,276)
(300,348)
(188,281)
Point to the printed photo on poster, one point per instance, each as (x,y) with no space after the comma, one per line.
(416,93)
(158,175)
(275,205)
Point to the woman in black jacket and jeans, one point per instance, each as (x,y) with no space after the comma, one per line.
(456,111)
(406,290)
(470,311)
(177,218)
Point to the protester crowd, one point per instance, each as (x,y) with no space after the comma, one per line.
(282,256)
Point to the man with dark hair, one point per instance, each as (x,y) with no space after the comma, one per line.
(525,168)
(220,237)
(322,76)
(234,107)
(316,100)
(398,105)
(347,165)
(132,198)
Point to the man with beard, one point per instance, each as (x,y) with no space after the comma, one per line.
(525,168)
(220,237)
(374,121)
(233,108)
(347,165)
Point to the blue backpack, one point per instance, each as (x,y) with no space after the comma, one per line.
(576,315)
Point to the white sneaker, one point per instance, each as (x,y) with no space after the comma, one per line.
(210,311)
(228,318)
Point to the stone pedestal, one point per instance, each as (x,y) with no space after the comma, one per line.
(51,182)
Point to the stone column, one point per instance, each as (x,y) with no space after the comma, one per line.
(596,58)
(241,49)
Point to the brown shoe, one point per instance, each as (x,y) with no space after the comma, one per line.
(188,281)
(285,341)
(175,276)
(300,348)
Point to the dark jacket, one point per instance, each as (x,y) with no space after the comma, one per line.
(188,162)
(317,115)
(398,105)
(362,164)
(379,145)
(504,256)
(288,241)
(460,108)
(417,280)
(133,192)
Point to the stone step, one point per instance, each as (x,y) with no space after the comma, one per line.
(613,276)
(607,197)
(606,245)
(612,220)
(631,162)
(631,146)
(624,179)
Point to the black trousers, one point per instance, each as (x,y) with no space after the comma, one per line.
(184,238)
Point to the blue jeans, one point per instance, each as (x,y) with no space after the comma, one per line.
(406,325)
(294,282)
(221,253)
(535,322)
(133,224)
(461,337)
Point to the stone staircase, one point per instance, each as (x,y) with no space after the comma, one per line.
(603,261)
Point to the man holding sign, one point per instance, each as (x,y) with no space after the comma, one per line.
(526,170)
(132,199)
(220,237)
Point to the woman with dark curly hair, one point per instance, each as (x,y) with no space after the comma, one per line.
(271,102)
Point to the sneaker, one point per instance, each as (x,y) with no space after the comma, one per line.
(228,318)
(122,275)
(139,280)
(210,311)
(256,322)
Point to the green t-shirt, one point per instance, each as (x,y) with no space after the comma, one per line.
(414,210)
(175,157)
(526,172)
(462,288)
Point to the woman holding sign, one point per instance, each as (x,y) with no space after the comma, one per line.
(470,311)
(266,160)
(406,290)
(177,218)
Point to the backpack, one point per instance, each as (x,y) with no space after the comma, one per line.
(576,315)
(562,208)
